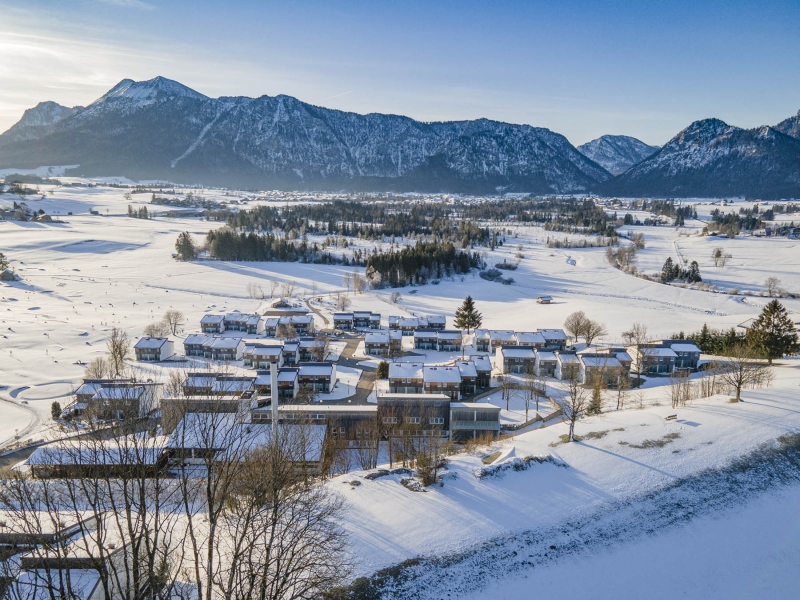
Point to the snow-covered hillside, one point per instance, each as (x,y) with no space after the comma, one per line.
(617,153)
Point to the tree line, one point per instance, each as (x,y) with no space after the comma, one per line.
(426,261)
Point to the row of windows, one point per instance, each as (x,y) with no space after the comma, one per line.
(413,420)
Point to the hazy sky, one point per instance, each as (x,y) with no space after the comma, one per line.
(580,68)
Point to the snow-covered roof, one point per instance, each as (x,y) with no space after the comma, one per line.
(553,334)
(482,334)
(151,343)
(482,362)
(436,319)
(212,319)
(568,358)
(40,584)
(518,352)
(287,375)
(197,339)
(600,362)
(656,351)
(88,389)
(377,338)
(545,355)
(291,346)
(316,369)
(449,335)
(130,450)
(342,316)
(193,431)
(474,406)
(361,314)
(229,386)
(466,368)
(267,350)
(405,370)
(408,322)
(197,380)
(441,375)
(119,392)
(685,347)
(529,338)
(425,333)
(226,342)
(501,335)
(272,322)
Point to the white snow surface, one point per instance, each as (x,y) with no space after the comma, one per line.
(82,277)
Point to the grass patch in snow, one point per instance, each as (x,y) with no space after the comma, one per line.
(667,439)
(592,435)
(487,460)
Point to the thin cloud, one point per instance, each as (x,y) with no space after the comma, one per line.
(340,95)
(138,4)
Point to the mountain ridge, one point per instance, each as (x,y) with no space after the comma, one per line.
(162,129)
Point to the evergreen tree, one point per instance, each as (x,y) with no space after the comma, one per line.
(596,402)
(467,317)
(667,271)
(693,276)
(383,370)
(773,333)
(3,262)
(185,247)
(55,409)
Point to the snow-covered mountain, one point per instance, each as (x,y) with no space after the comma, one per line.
(162,129)
(790,126)
(617,153)
(713,159)
(36,121)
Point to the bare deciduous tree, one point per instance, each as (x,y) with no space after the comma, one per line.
(395,297)
(347,281)
(743,368)
(342,301)
(157,329)
(574,324)
(592,330)
(118,347)
(637,337)
(174,319)
(287,288)
(575,402)
(359,283)
(98,368)
(680,388)
(274,284)
(773,286)
(256,291)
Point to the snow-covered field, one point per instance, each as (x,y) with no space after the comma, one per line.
(93,272)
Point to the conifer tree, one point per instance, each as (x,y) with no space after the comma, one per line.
(773,333)
(467,317)
(185,247)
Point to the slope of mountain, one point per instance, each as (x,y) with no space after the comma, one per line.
(162,129)
(617,153)
(36,121)
(713,159)
(790,126)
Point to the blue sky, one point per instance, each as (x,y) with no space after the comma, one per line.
(583,69)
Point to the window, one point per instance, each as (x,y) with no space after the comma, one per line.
(389,420)
(412,420)
(436,421)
